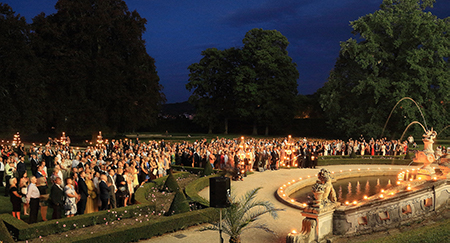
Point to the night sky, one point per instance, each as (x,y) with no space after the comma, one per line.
(178,31)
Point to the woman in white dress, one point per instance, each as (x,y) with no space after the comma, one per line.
(70,205)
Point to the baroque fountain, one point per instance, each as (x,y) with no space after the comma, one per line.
(417,193)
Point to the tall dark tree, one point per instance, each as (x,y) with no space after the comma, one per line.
(98,73)
(21,93)
(257,82)
(212,81)
(267,83)
(402,51)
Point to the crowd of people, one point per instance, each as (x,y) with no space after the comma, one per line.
(106,175)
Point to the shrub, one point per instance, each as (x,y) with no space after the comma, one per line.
(171,184)
(179,204)
(208,169)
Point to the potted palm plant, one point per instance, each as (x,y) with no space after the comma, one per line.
(243,214)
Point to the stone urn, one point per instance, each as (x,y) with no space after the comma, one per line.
(318,195)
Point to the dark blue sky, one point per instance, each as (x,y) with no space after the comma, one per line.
(177,31)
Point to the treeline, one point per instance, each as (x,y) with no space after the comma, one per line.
(83,69)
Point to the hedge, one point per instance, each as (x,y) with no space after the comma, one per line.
(193,170)
(194,187)
(5,237)
(148,229)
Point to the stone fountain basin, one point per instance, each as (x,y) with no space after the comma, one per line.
(284,191)
(376,213)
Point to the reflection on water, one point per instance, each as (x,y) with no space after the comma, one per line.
(351,188)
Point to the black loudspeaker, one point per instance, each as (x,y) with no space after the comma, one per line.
(219,192)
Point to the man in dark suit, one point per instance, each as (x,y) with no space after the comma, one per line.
(57,198)
(104,191)
(112,188)
(21,167)
(83,191)
(34,164)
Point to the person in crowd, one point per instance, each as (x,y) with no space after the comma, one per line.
(9,173)
(112,188)
(57,198)
(122,192)
(83,192)
(2,172)
(91,203)
(32,198)
(34,164)
(43,199)
(41,170)
(21,167)
(70,204)
(15,198)
(104,191)
(23,187)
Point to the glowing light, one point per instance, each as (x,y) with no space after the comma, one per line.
(359,169)
(381,196)
(284,185)
(309,176)
(347,203)
(341,171)
(281,190)
(408,188)
(398,182)
(390,168)
(281,187)
(289,183)
(434,178)
(365,197)
(300,178)
(304,204)
(284,195)
(332,172)
(382,190)
(293,180)
(350,170)
(355,202)
(392,193)
(294,231)
(379,168)
(420,178)
(292,200)
(411,179)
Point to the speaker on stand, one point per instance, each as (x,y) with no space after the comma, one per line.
(219,196)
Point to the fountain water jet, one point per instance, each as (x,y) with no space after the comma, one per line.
(404,98)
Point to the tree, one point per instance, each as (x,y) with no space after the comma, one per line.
(20,89)
(98,73)
(243,215)
(402,51)
(257,82)
(212,82)
(267,82)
